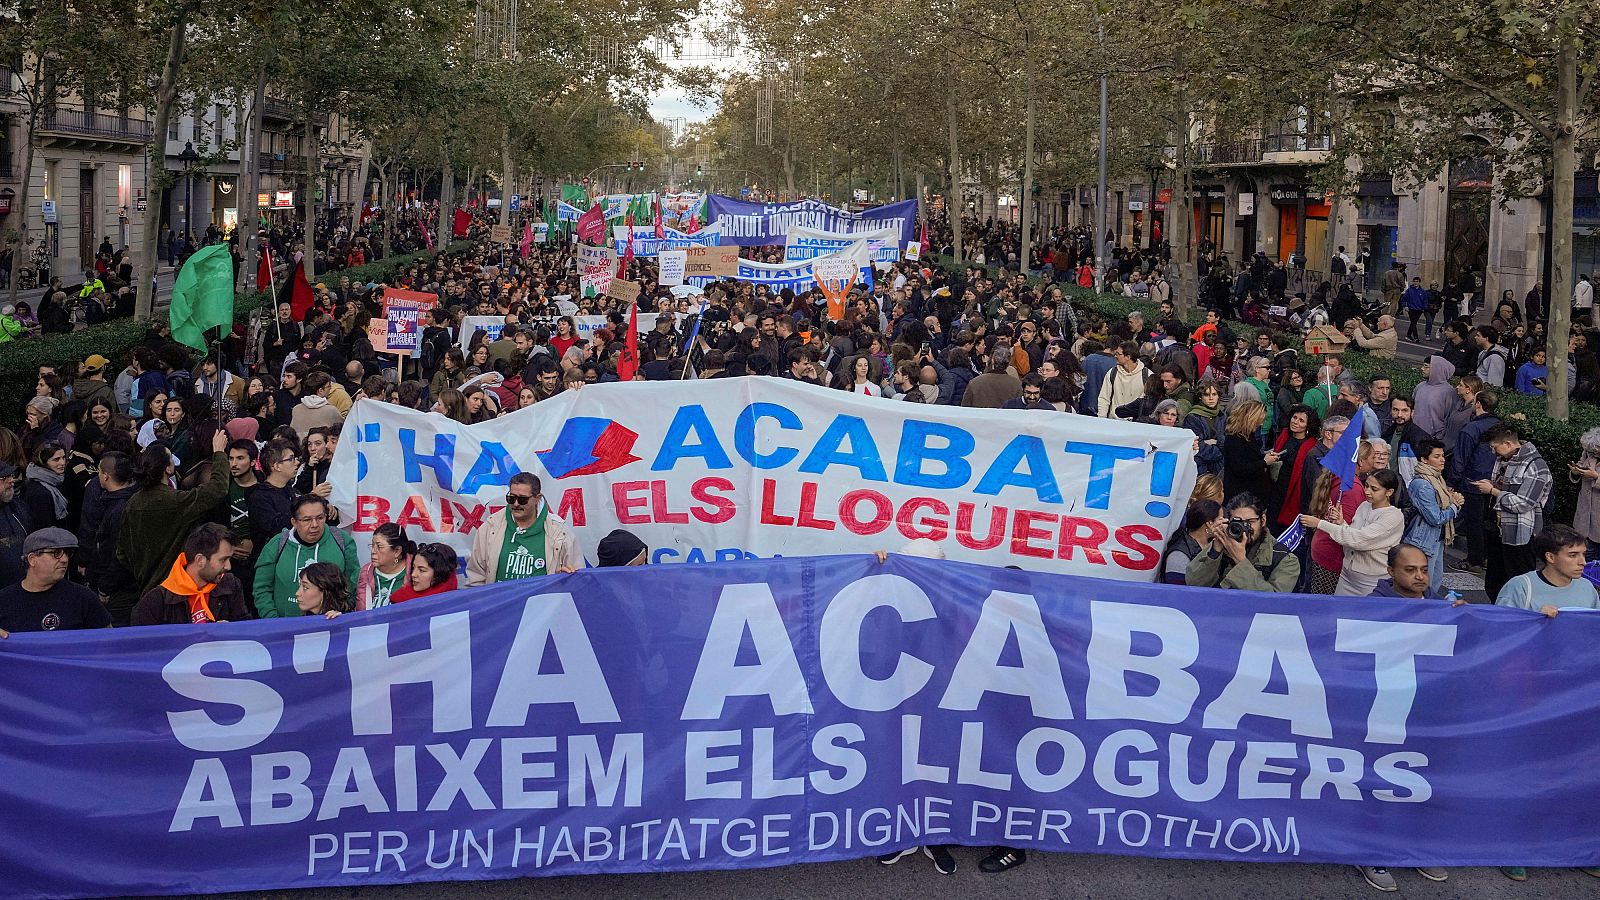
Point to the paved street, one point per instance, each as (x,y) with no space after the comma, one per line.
(1045,876)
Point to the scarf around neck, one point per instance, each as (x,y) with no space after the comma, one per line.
(1442,491)
(52,483)
(199,596)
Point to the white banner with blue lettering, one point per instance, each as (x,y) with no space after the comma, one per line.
(758,467)
(810,243)
(646,244)
(796,276)
(761,224)
(771,712)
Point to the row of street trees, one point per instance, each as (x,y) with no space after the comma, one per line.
(557,87)
(1005,96)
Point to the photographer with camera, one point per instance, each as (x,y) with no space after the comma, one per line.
(1242,555)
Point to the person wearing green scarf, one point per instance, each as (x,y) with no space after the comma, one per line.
(1259,369)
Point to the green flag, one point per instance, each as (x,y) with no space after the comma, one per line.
(551,223)
(575,194)
(202,296)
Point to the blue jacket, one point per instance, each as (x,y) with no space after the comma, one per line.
(1095,367)
(1473,460)
(1209,457)
(1415,298)
(1429,516)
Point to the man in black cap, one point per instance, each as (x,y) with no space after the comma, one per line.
(622,548)
(15,523)
(45,600)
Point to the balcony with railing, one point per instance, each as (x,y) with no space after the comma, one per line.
(288,163)
(1227,153)
(1296,147)
(93,125)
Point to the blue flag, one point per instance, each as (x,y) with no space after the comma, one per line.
(694,331)
(1341,458)
(1292,536)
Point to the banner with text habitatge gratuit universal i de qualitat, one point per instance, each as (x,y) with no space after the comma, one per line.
(761,224)
(758,467)
(767,712)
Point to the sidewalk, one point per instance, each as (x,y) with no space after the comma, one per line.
(164,278)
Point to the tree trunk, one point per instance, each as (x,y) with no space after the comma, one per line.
(1027,160)
(954,206)
(508,174)
(1564,161)
(390,208)
(308,259)
(166,94)
(447,200)
(1180,220)
(358,196)
(21,253)
(250,185)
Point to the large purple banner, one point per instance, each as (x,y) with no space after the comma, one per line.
(792,710)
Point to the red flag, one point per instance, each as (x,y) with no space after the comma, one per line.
(923,237)
(301,298)
(694,222)
(527,239)
(463,221)
(628,362)
(427,234)
(661,227)
(264,268)
(627,250)
(591,227)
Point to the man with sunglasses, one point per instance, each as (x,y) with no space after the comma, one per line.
(45,600)
(526,540)
(1242,555)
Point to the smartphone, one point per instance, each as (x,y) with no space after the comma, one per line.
(926,347)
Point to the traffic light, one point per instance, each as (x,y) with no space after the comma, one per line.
(698,171)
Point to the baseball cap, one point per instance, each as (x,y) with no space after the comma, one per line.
(95,363)
(49,539)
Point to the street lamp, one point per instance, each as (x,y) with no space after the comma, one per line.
(188,157)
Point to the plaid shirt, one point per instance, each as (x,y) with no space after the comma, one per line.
(1525,482)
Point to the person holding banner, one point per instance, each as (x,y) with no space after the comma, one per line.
(433,572)
(308,540)
(525,541)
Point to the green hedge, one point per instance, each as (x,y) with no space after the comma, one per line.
(20,361)
(1557,441)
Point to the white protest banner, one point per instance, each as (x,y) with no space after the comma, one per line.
(588,325)
(758,467)
(671,265)
(809,243)
(595,280)
(797,276)
(471,325)
(646,245)
(595,256)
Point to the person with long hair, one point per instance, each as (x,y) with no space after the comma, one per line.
(433,571)
(858,376)
(1209,422)
(1376,526)
(42,491)
(1327,554)
(1294,444)
(323,591)
(452,404)
(1244,467)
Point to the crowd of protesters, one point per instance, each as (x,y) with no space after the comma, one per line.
(169,487)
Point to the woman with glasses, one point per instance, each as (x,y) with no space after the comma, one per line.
(389,569)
